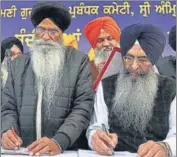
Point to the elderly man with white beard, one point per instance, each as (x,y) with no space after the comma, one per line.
(137,105)
(48,98)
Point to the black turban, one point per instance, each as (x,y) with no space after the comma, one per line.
(150,37)
(172,38)
(57,13)
(8,43)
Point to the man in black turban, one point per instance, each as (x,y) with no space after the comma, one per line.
(48,98)
(167,65)
(14,45)
(11,48)
(136,105)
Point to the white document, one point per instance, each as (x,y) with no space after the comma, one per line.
(86,153)
(68,154)
(23,153)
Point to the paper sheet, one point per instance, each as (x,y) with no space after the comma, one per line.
(86,153)
(22,152)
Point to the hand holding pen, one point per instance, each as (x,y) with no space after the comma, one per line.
(10,139)
(107,133)
(104,142)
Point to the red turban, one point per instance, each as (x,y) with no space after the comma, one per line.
(93,28)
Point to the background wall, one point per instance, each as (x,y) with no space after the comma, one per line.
(15,17)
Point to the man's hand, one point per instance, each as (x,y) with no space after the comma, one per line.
(152,149)
(101,142)
(10,140)
(44,145)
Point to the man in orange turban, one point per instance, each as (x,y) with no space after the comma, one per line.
(103,33)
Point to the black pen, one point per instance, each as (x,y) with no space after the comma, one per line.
(106,131)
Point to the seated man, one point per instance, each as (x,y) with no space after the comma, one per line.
(48,98)
(15,48)
(137,105)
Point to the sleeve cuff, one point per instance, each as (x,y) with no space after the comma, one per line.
(62,140)
(172,145)
(58,144)
(90,139)
(6,128)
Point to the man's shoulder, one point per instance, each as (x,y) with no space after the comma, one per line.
(76,56)
(167,81)
(165,60)
(22,59)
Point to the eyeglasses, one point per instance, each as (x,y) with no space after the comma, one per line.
(51,31)
(142,60)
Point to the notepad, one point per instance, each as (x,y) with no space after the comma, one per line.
(86,153)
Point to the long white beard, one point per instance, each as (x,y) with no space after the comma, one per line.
(47,62)
(134,101)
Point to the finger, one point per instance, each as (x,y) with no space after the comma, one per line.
(33,145)
(38,147)
(43,150)
(114,138)
(12,137)
(17,137)
(100,143)
(5,145)
(146,147)
(140,148)
(9,143)
(52,153)
(160,153)
(95,146)
(153,150)
(19,140)
(98,149)
(103,136)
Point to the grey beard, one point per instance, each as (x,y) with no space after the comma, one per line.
(134,101)
(47,63)
(100,55)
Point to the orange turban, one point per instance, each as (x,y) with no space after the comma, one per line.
(93,28)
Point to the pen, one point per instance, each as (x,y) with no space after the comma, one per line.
(106,131)
(15,134)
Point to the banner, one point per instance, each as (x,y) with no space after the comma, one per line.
(15,18)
